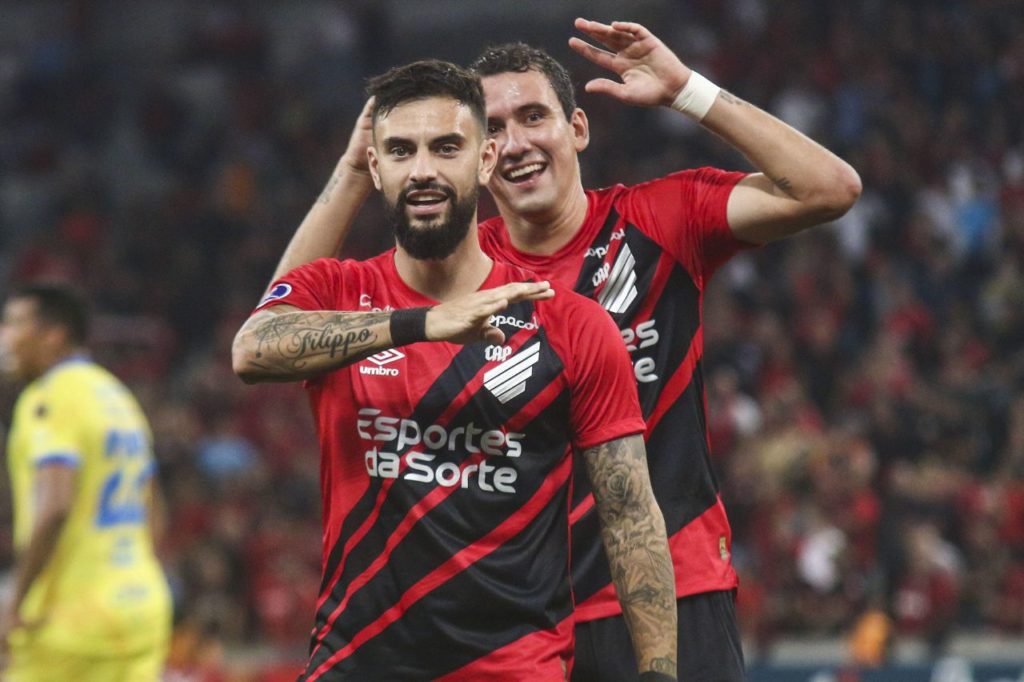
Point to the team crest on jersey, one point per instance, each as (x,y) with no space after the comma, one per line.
(620,282)
(508,379)
(279,291)
(385,357)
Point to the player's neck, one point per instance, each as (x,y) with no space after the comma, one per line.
(459,274)
(544,234)
(59,357)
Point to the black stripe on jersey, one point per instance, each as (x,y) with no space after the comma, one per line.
(457,519)
(434,637)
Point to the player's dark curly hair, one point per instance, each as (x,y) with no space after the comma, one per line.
(426,78)
(521,58)
(59,305)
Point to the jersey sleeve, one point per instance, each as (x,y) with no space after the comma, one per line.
(686,212)
(604,403)
(318,285)
(53,428)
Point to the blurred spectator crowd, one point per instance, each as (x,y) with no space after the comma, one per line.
(864,380)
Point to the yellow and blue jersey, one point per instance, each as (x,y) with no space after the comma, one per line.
(103,591)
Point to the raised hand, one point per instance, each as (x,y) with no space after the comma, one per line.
(467,319)
(361,138)
(652,75)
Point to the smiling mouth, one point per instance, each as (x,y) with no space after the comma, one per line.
(425,199)
(524,173)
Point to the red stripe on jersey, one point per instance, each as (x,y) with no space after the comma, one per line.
(459,562)
(581,509)
(456,405)
(699,564)
(539,647)
(678,383)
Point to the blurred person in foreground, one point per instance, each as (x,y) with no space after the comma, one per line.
(452,392)
(645,253)
(90,600)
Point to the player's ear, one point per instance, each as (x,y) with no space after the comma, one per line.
(371,157)
(580,129)
(488,160)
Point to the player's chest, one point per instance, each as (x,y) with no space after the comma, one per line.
(440,378)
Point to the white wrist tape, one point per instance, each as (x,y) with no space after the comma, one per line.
(696,97)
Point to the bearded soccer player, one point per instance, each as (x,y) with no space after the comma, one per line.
(90,601)
(645,253)
(450,392)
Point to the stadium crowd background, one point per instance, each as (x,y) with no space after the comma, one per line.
(864,381)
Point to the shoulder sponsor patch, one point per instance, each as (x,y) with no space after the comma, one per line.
(279,291)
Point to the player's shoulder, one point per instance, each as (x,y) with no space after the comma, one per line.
(69,376)
(329,265)
(571,307)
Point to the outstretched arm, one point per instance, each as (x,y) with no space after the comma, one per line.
(800,183)
(285,343)
(633,530)
(325,226)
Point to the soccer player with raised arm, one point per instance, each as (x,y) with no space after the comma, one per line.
(645,253)
(90,601)
(453,394)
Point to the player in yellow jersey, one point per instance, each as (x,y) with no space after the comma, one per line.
(90,601)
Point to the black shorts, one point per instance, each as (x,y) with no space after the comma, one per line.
(709,644)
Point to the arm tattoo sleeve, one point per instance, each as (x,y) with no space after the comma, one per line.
(633,531)
(297,345)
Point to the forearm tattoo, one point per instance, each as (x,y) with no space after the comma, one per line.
(727,96)
(633,531)
(325,196)
(301,343)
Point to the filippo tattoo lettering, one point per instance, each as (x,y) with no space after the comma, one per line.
(332,340)
(304,342)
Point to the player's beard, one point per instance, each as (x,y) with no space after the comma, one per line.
(440,238)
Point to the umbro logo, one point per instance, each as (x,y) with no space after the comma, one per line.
(386,357)
(508,379)
(620,289)
(382,358)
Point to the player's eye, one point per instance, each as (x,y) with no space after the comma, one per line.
(400,150)
(448,149)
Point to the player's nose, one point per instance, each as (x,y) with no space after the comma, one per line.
(517,140)
(423,168)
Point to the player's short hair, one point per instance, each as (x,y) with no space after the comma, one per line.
(520,57)
(426,78)
(60,305)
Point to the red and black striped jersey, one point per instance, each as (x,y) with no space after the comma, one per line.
(446,473)
(645,254)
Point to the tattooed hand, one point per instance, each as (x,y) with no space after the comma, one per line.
(633,531)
